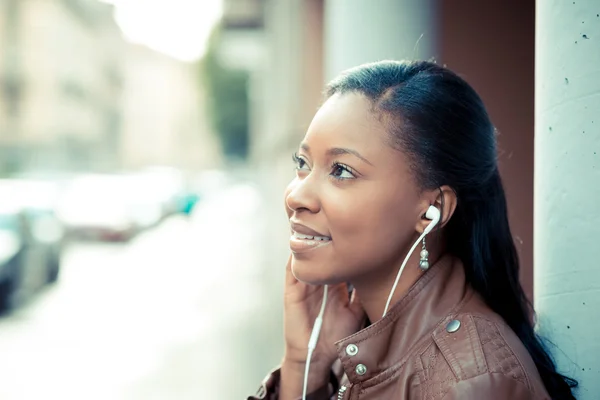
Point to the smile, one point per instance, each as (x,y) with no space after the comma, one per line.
(300,243)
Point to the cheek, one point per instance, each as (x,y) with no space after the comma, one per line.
(372,229)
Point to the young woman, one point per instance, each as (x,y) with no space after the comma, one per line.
(402,155)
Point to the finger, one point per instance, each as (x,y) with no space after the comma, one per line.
(339,294)
(355,305)
(353,296)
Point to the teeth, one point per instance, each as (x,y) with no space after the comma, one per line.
(307,237)
(301,236)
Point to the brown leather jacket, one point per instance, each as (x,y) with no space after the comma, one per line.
(440,341)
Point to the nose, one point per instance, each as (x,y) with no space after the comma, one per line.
(301,195)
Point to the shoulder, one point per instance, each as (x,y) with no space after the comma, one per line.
(477,354)
(474,344)
(491,386)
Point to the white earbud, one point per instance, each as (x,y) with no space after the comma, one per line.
(434,215)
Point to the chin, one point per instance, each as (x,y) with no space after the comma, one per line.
(314,273)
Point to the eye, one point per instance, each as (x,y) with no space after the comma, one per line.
(300,162)
(341,171)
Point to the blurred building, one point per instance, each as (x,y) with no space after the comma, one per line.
(61,78)
(164,114)
(74,95)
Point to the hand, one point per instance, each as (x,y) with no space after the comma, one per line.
(302,302)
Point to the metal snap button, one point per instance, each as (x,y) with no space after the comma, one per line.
(361,369)
(352,349)
(453,326)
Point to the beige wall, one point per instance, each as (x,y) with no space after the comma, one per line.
(313,74)
(92,100)
(68,66)
(58,50)
(8,72)
(492,45)
(164,120)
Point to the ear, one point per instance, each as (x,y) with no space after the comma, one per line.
(444,198)
(446,201)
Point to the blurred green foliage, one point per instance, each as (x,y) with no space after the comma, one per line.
(227,91)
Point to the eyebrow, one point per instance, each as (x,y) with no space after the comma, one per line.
(337,151)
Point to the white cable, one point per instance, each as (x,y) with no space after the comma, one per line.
(432,214)
(314,338)
(387,305)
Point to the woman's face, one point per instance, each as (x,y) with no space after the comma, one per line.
(354,205)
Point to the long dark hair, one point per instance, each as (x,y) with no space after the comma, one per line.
(437,119)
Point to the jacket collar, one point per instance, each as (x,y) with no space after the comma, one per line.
(388,342)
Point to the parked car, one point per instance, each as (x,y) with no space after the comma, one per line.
(31,240)
(162,186)
(11,249)
(39,200)
(98,207)
(147,203)
(186,202)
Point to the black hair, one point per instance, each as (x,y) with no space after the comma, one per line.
(439,120)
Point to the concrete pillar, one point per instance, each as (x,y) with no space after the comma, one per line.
(359,31)
(567,186)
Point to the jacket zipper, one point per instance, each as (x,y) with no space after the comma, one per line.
(341,392)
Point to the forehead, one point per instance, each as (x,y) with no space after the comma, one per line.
(348,121)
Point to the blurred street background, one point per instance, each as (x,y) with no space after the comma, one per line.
(132,227)
(144,150)
(177,312)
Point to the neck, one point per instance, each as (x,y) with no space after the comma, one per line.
(374,291)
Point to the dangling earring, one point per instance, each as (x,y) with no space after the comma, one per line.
(424,263)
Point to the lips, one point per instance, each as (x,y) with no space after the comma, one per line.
(308,233)
(305,239)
